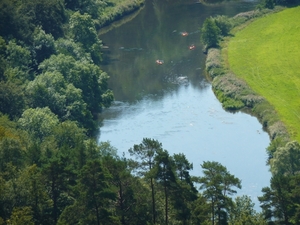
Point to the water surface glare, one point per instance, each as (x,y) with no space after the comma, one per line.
(192,121)
(174,103)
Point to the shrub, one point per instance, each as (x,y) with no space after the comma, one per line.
(210,33)
(224,24)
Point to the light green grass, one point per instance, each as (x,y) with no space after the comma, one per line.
(266,54)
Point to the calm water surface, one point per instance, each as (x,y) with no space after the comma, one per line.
(173,102)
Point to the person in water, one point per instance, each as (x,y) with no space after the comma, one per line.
(192,47)
(184,33)
(159,61)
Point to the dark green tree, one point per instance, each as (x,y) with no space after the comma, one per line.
(165,176)
(12,101)
(42,46)
(210,33)
(145,153)
(96,194)
(278,204)
(201,211)
(21,216)
(186,192)
(83,31)
(223,23)
(218,185)
(131,198)
(58,180)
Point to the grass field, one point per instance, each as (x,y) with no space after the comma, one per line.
(266,54)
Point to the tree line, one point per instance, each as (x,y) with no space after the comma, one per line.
(50,56)
(53,171)
(68,179)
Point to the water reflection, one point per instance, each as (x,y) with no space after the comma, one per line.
(191,121)
(173,102)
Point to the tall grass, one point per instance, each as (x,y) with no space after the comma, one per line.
(117,9)
(266,54)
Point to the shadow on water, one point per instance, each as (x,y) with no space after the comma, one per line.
(156,33)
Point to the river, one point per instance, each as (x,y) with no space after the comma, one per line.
(173,102)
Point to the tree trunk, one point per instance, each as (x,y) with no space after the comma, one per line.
(121,204)
(166,204)
(97,211)
(213,212)
(153,202)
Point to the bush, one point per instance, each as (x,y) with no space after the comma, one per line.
(228,102)
(224,24)
(210,33)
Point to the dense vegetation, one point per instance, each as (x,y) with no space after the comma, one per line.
(53,171)
(249,71)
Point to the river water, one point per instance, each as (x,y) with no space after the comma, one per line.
(173,102)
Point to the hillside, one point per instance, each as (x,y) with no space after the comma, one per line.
(266,54)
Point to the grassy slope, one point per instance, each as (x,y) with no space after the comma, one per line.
(266,54)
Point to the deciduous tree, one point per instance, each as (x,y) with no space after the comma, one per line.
(210,33)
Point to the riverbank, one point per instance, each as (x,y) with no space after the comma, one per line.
(117,9)
(234,92)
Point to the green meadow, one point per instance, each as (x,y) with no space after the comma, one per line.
(266,54)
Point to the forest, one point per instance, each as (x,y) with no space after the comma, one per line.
(53,171)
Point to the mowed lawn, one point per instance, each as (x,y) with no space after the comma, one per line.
(266,54)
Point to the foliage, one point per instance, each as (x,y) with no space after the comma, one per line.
(38,122)
(218,184)
(243,213)
(227,102)
(83,30)
(213,29)
(83,75)
(51,90)
(286,160)
(51,87)
(223,23)
(21,216)
(12,99)
(22,17)
(43,45)
(280,201)
(95,193)
(51,171)
(210,33)
(17,56)
(146,153)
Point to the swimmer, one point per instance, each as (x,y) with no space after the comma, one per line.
(159,61)
(192,47)
(184,33)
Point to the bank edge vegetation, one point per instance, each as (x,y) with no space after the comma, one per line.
(53,171)
(255,68)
